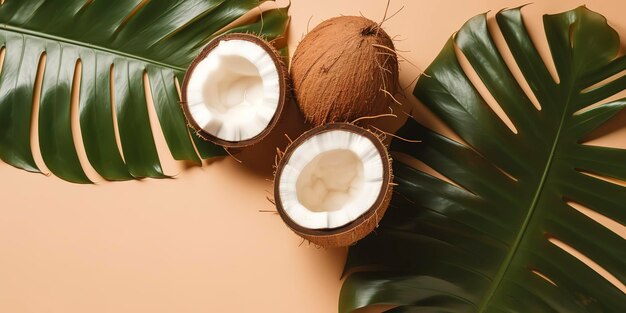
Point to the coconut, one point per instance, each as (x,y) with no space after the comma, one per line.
(333,184)
(345,68)
(235,90)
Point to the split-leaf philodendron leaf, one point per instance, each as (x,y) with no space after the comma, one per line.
(492,241)
(116,43)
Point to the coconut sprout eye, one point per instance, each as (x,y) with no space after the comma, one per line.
(333,184)
(234,91)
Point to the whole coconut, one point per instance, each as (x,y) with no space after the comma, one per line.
(344,69)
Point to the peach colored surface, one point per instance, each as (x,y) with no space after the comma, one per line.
(198,243)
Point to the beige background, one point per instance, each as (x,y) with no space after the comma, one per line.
(198,243)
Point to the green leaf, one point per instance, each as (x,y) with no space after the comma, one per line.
(116,44)
(479,244)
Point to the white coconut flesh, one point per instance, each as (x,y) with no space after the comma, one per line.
(233,93)
(331,179)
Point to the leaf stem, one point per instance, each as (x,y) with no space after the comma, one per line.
(506,263)
(86,45)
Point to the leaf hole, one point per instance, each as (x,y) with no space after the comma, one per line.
(375,308)
(609,223)
(3,52)
(85,5)
(611,134)
(423,115)
(509,60)
(482,90)
(543,276)
(505,173)
(613,98)
(77,135)
(168,163)
(130,16)
(183,27)
(605,81)
(589,262)
(423,167)
(607,179)
(539,37)
(116,128)
(189,130)
(249,17)
(177,85)
(34,121)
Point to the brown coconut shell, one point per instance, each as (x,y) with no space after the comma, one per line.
(345,68)
(283,85)
(359,228)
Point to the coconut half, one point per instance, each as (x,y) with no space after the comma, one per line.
(234,91)
(333,184)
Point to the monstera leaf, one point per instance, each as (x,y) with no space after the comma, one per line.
(113,44)
(504,235)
